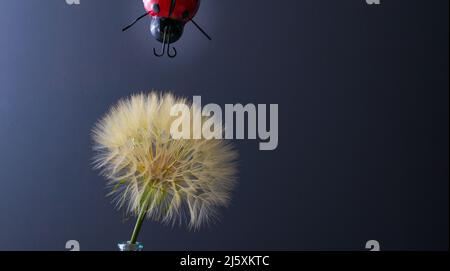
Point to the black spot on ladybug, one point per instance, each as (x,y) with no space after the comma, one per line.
(185,14)
(156,8)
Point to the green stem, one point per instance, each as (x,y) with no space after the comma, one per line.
(137,227)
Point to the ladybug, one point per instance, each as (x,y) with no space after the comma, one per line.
(168,18)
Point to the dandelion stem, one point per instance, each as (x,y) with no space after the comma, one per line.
(141,217)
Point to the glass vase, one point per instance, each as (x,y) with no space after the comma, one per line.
(126,246)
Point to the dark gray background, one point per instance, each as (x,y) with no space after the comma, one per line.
(363,94)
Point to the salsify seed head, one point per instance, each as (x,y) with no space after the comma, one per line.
(173,180)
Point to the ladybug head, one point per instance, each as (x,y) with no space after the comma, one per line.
(169,29)
(166,30)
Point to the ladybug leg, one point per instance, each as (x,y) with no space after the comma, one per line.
(201,29)
(135,21)
(163,48)
(174,51)
(168,49)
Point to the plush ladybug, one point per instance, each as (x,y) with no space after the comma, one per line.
(168,20)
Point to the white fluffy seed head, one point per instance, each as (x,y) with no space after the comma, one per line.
(174,180)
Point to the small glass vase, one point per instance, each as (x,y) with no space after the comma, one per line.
(126,246)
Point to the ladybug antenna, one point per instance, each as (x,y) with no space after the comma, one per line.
(166,43)
(135,21)
(201,30)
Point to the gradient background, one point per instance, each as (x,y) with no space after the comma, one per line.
(363,93)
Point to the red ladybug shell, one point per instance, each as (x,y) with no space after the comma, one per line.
(180,10)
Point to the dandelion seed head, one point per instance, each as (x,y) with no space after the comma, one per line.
(175,180)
